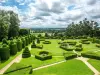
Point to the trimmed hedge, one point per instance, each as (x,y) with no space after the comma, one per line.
(27,40)
(85,41)
(71,42)
(19,45)
(69,55)
(23,42)
(4,41)
(43,55)
(98,45)
(4,52)
(26,53)
(33,45)
(46,42)
(39,46)
(13,48)
(67,48)
(92,55)
(79,47)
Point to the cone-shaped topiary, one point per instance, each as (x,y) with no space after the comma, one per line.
(26,53)
(4,52)
(13,48)
(33,45)
(4,41)
(19,45)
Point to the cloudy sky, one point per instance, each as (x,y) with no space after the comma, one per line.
(52,13)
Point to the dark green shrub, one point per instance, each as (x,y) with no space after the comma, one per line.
(78,49)
(43,55)
(23,42)
(98,45)
(4,41)
(69,55)
(46,42)
(39,46)
(19,44)
(26,53)
(33,45)
(27,41)
(13,48)
(71,42)
(4,52)
(38,40)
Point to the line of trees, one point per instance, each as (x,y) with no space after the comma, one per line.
(9,24)
(83,28)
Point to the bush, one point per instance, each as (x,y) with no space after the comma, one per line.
(4,52)
(23,32)
(92,55)
(13,48)
(19,45)
(85,41)
(23,42)
(69,55)
(43,55)
(71,42)
(26,53)
(38,40)
(27,41)
(46,42)
(39,46)
(79,47)
(98,45)
(33,45)
(4,41)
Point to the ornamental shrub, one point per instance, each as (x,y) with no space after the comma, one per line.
(13,48)
(19,45)
(26,53)
(23,42)
(4,52)
(33,45)
(4,41)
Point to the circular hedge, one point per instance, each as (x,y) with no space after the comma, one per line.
(19,45)
(13,48)
(26,53)
(43,55)
(4,52)
(46,42)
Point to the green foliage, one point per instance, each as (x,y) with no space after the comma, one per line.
(26,53)
(33,45)
(13,47)
(38,40)
(23,42)
(4,52)
(24,32)
(46,42)
(98,45)
(43,55)
(85,41)
(78,47)
(40,46)
(27,40)
(4,41)
(69,55)
(19,45)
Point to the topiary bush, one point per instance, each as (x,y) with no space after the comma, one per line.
(46,42)
(23,42)
(69,55)
(71,42)
(4,41)
(26,53)
(4,52)
(33,45)
(85,41)
(27,41)
(98,45)
(79,47)
(38,41)
(13,48)
(40,46)
(43,55)
(19,45)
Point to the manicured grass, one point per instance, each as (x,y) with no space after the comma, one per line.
(95,63)
(37,63)
(70,67)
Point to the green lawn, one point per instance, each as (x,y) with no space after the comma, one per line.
(71,67)
(95,63)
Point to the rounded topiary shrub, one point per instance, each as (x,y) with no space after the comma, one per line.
(33,45)
(46,42)
(38,40)
(4,52)
(4,41)
(27,41)
(13,48)
(26,53)
(23,42)
(19,45)
(43,55)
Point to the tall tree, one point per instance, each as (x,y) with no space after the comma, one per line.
(14,24)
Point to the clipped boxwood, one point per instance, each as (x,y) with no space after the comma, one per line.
(19,45)
(26,53)
(4,41)
(27,40)
(43,55)
(13,48)
(39,46)
(4,52)
(78,47)
(46,42)
(23,42)
(71,42)
(67,48)
(33,45)
(92,55)
(69,55)
(98,45)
